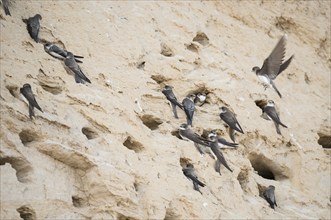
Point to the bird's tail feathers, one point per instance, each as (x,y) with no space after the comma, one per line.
(7,12)
(275,88)
(31,112)
(231,134)
(79,57)
(174,110)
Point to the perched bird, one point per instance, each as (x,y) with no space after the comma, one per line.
(215,149)
(70,62)
(58,52)
(5,4)
(230,119)
(187,134)
(273,65)
(222,142)
(27,93)
(200,98)
(269,111)
(167,91)
(269,195)
(33,26)
(190,174)
(189,108)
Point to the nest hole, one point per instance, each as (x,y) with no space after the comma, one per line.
(28,136)
(158,78)
(261,166)
(183,161)
(192,47)
(78,201)
(89,133)
(27,212)
(324,139)
(55,90)
(151,121)
(201,38)
(132,144)
(13,90)
(141,65)
(22,167)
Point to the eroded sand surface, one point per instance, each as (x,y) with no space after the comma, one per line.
(108,150)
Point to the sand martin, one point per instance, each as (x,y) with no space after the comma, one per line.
(190,174)
(215,149)
(222,143)
(269,195)
(27,93)
(33,26)
(5,4)
(200,98)
(230,119)
(167,91)
(70,62)
(187,134)
(269,111)
(189,108)
(58,52)
(273,65)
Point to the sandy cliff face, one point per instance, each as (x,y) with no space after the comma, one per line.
(109,150)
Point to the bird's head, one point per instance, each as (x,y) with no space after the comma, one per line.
(255,69)
(270,103)
(167,87)
(183,127)
(223,109)
(38,16)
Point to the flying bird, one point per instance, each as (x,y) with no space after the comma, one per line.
(269,195)
(58,52)
(27,93)
(200,98)
(187,134)
(5,4)
(230,119)
(190,174)
(269,111)
(33,26)
(167,91)
(215,149)
(70,62)
(273,65)
(189,108)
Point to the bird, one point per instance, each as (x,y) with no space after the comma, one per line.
(200,98)
(70,62)
(190,174)
(187,134)
(169,94)
(33,26)
(58,52)
(215,149)
(230,119)
(269,111)
(189,108)
(273,65)
(5,4)
(27,93)
(269,195)
(222,142)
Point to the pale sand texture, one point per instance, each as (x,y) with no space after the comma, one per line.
(71,162)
